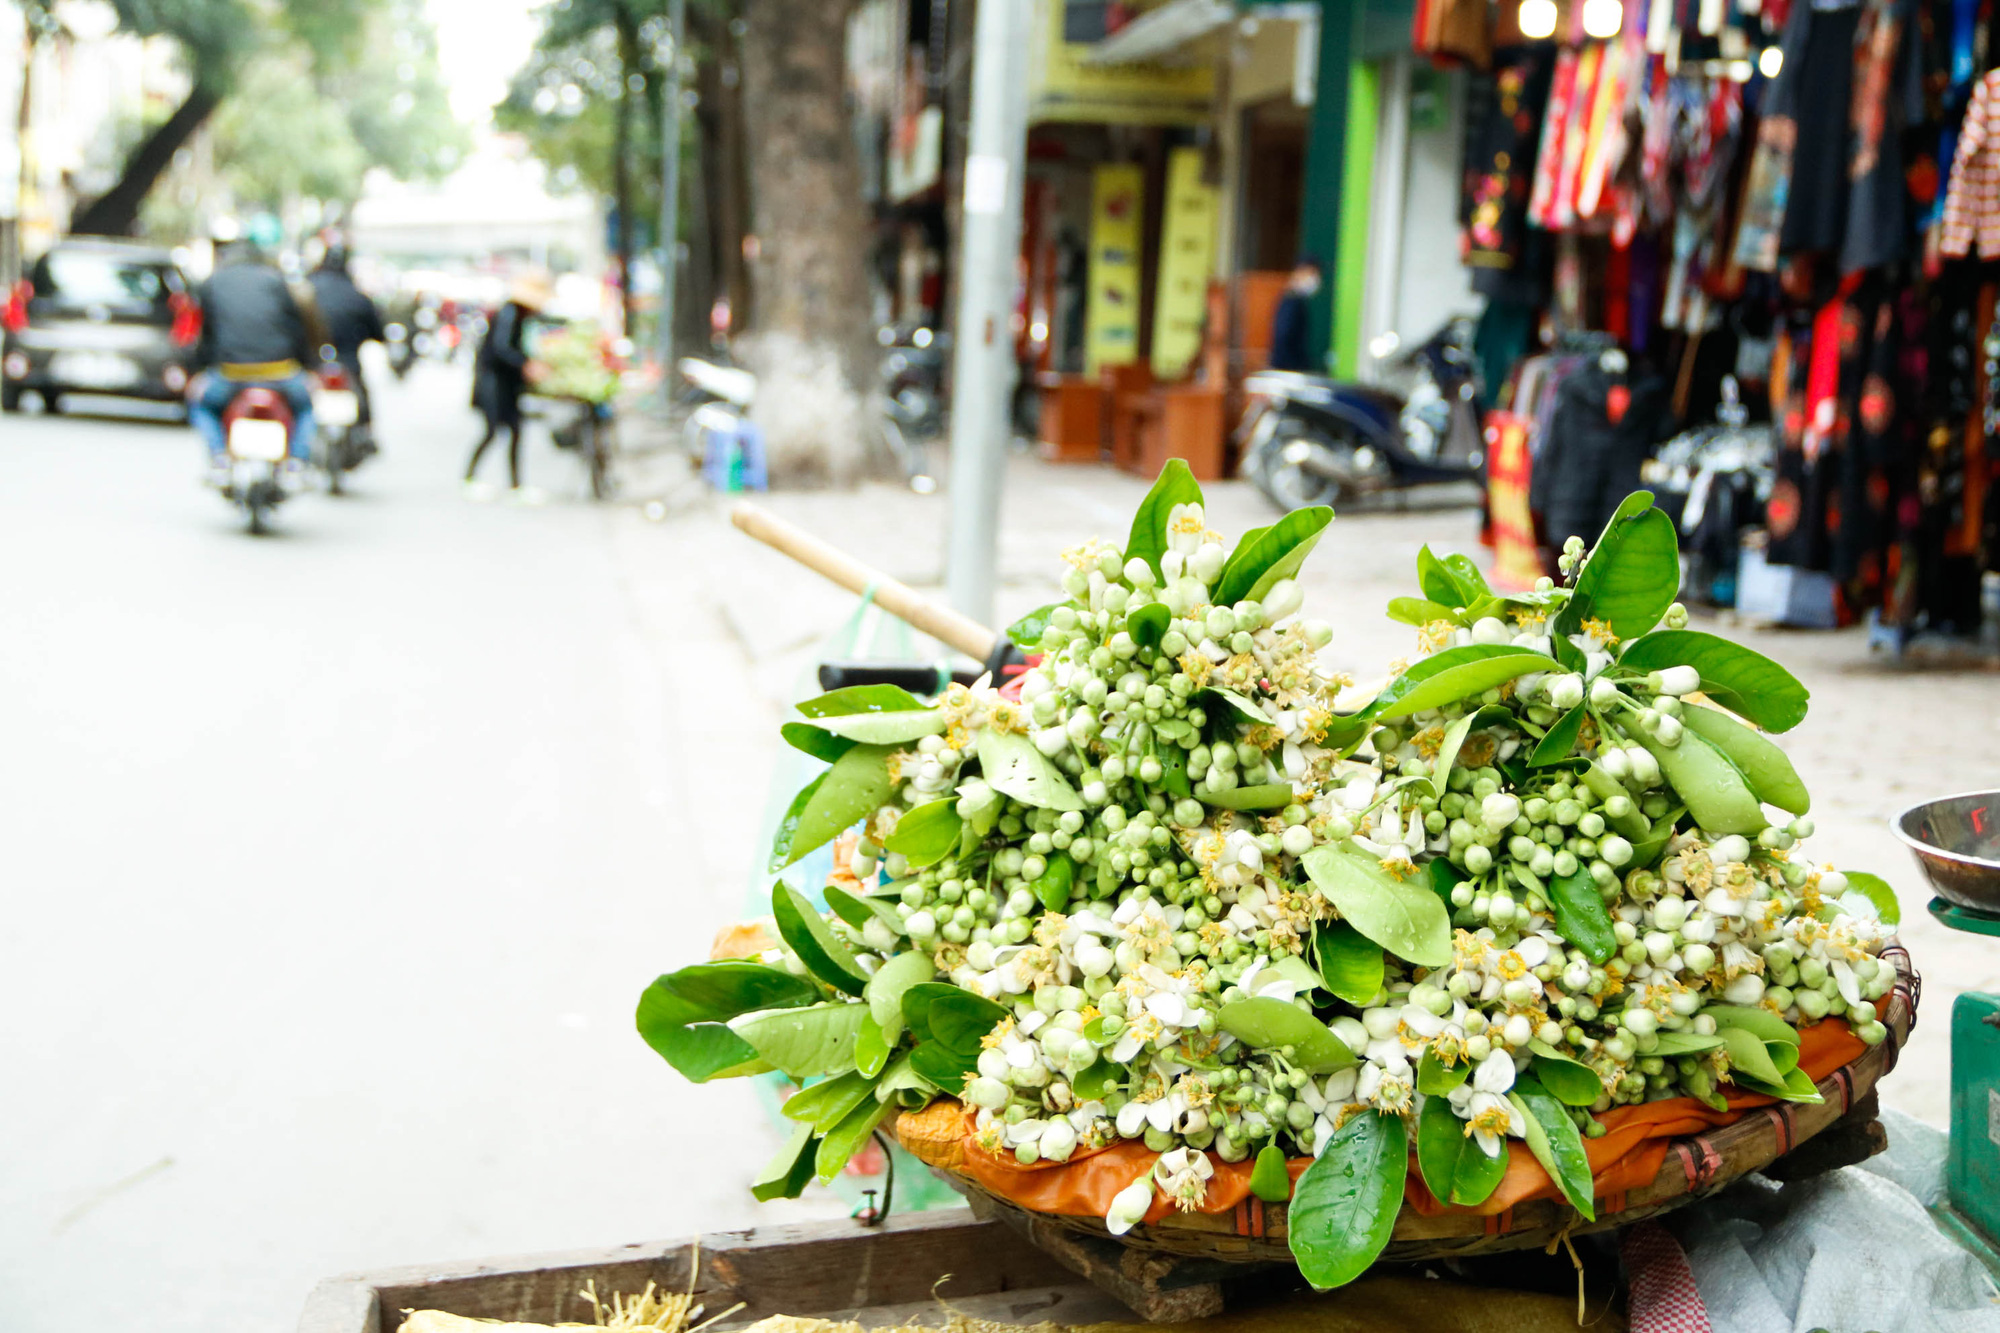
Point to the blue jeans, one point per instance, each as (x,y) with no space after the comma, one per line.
(217,392)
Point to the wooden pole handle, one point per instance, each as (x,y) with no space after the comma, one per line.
(942,623)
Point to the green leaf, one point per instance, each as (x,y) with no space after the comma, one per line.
(1471,583)
(1581,917)
(1351,963)
(884,991)
(1246,707)
(1419,611)
(1784,1055)
(887,728)
(1264,1023)
(1148,624)
(1444,877)
(1269,796)
(855,911)
(683,1015)
(1052,886)
(1458,733)
(941,1066)
(795,813)
(1747,1053)
(1346,1203)
(1672,1043)
(1027,631)
(909,1089)
(871,1049)
(1454,674)
(1173,770)
(1095,1081)
(1742,680)
(806,933)
(806,1043)
(1799,1087)
(1453,1165)
(846,1138)
(1647,851)
(1631,575)
(1403,916)
(787,1174)
(856,700)
(1014,767)
(1439,584)
(1269,1180)
(1761,1023)
(811,740)
(1560,739)
(1262,559)
(854,788)
(1573,1082)
(1553,1139)
(927,834)
(1435,1078)
(1877,891)
(956,1019)
(827,1102)
(1175,486)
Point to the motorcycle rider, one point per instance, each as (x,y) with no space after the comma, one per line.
(351,319)
(253,333)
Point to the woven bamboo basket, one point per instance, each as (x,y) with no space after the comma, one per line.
(1695,1166)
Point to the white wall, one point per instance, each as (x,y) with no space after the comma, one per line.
(1415,280)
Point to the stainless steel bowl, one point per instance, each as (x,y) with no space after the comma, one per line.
(1957,843)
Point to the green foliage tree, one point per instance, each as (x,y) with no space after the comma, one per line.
(214,37)
(589,101)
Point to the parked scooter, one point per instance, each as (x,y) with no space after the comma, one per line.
(913,378)
(257,432)
(1313,441)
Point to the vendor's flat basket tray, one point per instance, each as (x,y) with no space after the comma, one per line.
(1254,1232)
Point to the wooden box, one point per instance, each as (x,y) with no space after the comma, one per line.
(882,1276)
(1187,425)
(1072,419)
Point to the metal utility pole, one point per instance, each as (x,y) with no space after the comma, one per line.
(982,370)
(670,193)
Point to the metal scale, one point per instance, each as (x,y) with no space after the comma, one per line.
(1957,843)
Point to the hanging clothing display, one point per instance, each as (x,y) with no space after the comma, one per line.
(1784,211)
(1972,200)
(1501,136)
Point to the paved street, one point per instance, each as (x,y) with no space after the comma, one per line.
(337,859)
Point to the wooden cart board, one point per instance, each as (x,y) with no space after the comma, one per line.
(882,1276)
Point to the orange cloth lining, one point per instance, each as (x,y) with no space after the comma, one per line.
(1626,1158)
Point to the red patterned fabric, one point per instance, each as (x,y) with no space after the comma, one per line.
(1664,1297)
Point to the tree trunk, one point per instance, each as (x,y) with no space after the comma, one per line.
(116,211)
(621,150)
(731,180)
(812,256)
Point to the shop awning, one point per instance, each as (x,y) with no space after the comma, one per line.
(1158,33)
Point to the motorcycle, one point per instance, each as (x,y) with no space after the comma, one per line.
(344,443)
(402,350)
(1312,441)
(257,432)
(913,378)
(913,398)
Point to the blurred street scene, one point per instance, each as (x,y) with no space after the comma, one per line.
(389,697)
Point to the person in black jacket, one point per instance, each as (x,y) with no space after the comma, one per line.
(351,319)
(253,332)
(501,372)
(1291,323)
